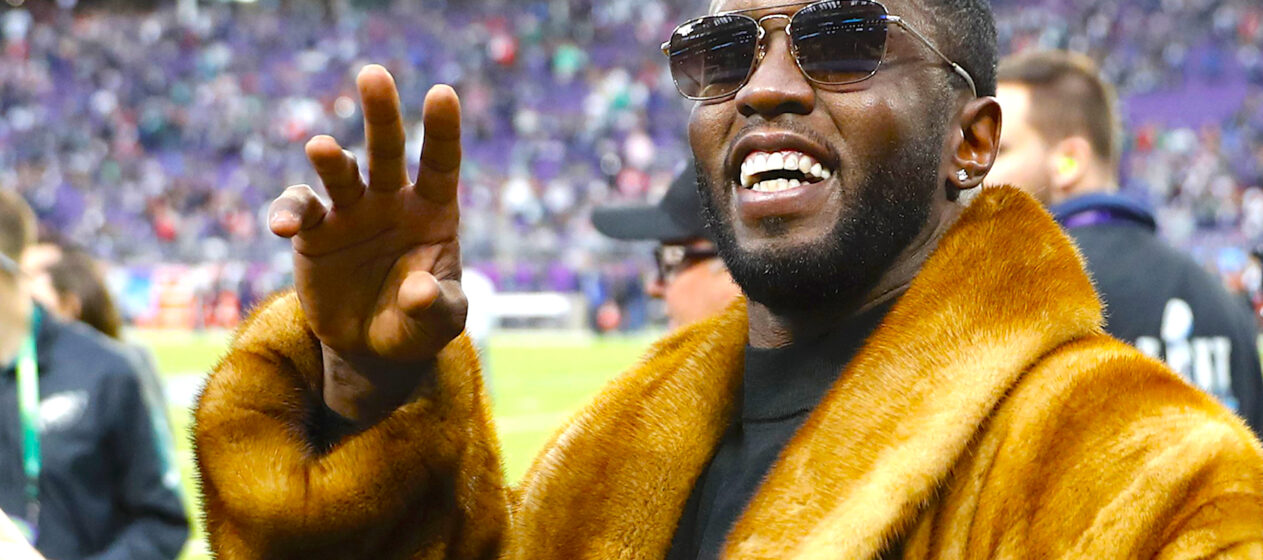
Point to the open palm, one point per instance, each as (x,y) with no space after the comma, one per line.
(378,271)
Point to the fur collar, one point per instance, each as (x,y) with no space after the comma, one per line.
(1003,288)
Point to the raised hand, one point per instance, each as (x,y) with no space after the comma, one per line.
(378,272)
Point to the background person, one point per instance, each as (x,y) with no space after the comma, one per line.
(70,283)
(96,486)
(1060,143)
(691,278)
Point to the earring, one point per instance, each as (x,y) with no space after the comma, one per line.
(962,175)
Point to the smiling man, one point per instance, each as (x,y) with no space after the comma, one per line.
(910,376)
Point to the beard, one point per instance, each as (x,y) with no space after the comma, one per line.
(887,211)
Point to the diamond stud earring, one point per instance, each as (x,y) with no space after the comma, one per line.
(962,175)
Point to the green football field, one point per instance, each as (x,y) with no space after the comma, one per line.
(537,380)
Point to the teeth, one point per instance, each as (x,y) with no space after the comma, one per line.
(788,160)
(777,185)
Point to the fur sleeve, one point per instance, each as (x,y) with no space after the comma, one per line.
(425,482)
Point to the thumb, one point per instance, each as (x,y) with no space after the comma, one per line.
(440,304)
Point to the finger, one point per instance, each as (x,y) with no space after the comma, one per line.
(418,292)
(440,304)
(338,170)
(383,128)
(440,150)
(296,210)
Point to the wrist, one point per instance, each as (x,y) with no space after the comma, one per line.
(365,389)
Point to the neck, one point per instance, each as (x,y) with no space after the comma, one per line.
(770,328)
(1097,180)
(15,321)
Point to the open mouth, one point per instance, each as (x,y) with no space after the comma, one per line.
(780,171)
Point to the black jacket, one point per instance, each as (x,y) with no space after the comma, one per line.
(106,491)
(1164,303)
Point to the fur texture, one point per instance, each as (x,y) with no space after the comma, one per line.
(987,417)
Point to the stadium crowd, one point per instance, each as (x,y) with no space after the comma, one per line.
(154,137)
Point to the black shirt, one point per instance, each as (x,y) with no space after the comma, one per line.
(780,388)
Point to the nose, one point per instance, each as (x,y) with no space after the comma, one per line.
(777,86)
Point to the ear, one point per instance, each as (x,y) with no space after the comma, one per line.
(976,143)
(1071,159)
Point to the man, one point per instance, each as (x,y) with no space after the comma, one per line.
(909,377)
(1060,143)
(82,476)
(692,281)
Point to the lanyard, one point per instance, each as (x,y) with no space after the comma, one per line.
(28,414)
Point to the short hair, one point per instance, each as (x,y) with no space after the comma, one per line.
(965,32)
(17,224)
(77,273)
(1068,98)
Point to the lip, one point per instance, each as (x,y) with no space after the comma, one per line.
(753,206)
(771,141)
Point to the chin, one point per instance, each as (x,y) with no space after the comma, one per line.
(830,260)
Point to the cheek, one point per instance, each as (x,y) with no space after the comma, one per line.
(872,124)
(708,135)
(682,291)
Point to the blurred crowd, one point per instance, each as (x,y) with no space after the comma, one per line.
(159,137)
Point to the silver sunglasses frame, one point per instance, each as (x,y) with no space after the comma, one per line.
(762,47)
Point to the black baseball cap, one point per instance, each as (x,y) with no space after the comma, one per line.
(677,217)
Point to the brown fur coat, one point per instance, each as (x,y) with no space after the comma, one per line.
(987,417)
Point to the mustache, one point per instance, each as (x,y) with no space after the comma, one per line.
(760,125)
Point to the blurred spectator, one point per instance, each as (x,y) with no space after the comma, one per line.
(85,476)
(691,278)
(67,281)
(70,283)
(1060,144)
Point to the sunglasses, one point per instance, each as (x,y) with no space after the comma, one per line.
(834,43)
(674,259)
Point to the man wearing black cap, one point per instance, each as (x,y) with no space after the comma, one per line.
(692,280)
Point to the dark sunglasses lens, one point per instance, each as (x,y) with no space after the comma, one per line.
(840,42)
(711,56)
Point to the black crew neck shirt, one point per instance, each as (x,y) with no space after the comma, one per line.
(780,388)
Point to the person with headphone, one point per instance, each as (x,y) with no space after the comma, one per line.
(1060,143)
